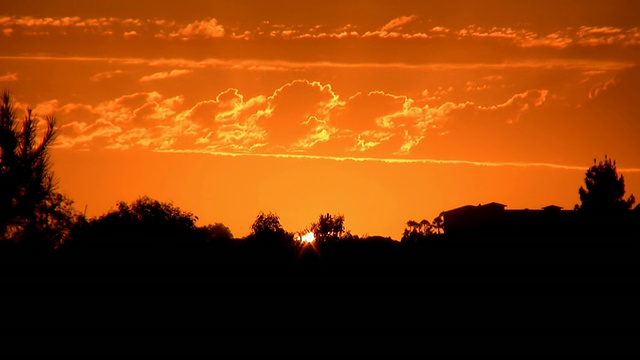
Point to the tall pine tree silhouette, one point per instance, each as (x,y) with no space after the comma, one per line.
(26,179)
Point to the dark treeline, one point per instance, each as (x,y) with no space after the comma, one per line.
(145,272)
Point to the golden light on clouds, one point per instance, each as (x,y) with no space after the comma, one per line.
(460,90)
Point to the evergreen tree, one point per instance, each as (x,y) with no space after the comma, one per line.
(29,204)
(604,190)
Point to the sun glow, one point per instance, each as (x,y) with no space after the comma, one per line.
(306,238)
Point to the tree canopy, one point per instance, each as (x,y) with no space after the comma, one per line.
(328,228)
(266,223)
(144,224)
(604,190)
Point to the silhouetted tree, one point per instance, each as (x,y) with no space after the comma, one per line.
(55,218)
(413,225)
(328,228)
(216,232)
(438,223)
(31,211)
(268,235)
(416,231)
(425,227)
(266,223)
(604,188)
(145,225)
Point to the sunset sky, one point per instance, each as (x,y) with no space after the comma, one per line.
(383,111)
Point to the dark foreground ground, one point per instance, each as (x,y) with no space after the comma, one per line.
(387,297)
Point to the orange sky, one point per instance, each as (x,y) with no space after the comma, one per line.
(383,111)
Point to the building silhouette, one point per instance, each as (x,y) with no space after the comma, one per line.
(494,220)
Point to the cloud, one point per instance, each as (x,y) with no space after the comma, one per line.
(520,37)
(48,107)
(367,111)
(436,94)
(499,130)
(84,135)
(210,28)
(122,109)
(397,22)
(396,160)
(156,111)
(299,66)
(439,30)
(37,26)
(600,87)
(495,32)
(70,22)
(165,75)
(599,36)
(207,28)
(522,101)
(302,117)
(9,76)
(135,120)
(296,112)
(105,75)
(603,30)
(30,21)
(518,104)
(228,105)
(226,122)
(559,40)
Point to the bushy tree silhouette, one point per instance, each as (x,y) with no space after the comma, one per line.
(438,223)
(216,232)
(31,211)
(417,231)
(266,223)
(328,228)
(268,235)
(604,190)
(145,225)
(55,219)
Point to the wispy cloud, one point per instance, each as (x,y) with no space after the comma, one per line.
(396,28)
(105,75)
(280,65)
(394,160)
(9,76)
(81,135)
(165,75)
(397,22)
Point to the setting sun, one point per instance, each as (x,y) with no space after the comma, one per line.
(306,238)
